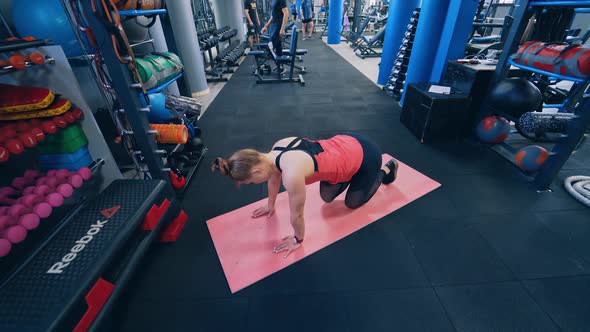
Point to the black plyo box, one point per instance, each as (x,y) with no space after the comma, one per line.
(432,116)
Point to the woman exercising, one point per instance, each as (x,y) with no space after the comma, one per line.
(344,161)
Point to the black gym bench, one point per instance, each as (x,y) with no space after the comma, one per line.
(288,58)
(71,280)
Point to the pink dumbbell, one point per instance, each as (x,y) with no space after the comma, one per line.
(14,234)
(22,182)
(5,247)
(7,201)
(75,180)
(5,221)
(32,174)
(8,191)
(84,172)
(65,189)
(42,209)
(54,199)
(29,221)
(4,210)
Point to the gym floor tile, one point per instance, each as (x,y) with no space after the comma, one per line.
(224,147)
(319,312)
(436,204)
(572,226)
(397,310)
(324,122)
(529,248)
(219,315)
(179,274)
(493,307)
(565,300)
(476,194)
(360,121)
(452,252)
(368,259)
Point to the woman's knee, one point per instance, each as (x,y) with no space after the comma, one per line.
(327,197)
(353,202)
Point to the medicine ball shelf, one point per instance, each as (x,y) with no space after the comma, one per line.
(578,104)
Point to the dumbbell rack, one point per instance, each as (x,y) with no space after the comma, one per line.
(225,59)
(35,237)
(397,78)
(7,67)
(131,98)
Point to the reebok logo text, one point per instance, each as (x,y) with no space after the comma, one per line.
(79,246)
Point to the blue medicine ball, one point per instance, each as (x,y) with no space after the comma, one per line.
(45,19)
(531,158)
(493,129)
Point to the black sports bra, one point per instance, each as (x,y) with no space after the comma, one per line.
(307,146)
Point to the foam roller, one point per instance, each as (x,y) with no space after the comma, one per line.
(539,123)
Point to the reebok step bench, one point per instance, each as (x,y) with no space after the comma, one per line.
(71,281)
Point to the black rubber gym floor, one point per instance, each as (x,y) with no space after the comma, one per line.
(484,252)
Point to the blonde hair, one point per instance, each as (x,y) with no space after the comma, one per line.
(239,165)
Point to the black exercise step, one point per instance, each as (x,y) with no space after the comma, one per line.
(65,284)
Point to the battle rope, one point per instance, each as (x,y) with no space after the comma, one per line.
(579,187)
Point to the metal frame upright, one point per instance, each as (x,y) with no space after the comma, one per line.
(576,131)
(129,92)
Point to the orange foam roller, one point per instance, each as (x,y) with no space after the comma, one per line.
(170,133)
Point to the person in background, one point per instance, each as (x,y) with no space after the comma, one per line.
(251,13)
(307,17)
(294,10)
(277,23)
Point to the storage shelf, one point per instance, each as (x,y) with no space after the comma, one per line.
(165,85)
(142,12)
(560,4)
(9,69)
(543,72)
(20,45)
(25,149)
(180,193)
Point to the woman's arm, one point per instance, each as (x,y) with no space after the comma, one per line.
(274,185)
(294,183)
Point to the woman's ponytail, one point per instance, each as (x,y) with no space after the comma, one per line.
(222,165)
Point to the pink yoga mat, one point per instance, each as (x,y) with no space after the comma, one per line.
(244,244)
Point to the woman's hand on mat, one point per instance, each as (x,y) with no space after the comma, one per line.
(289,244)
(263,210)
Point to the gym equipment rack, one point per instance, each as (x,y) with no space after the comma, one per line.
(578,103)
(130,95)
(71,268)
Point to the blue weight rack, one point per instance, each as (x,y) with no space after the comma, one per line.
(577,103)
(130,93)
